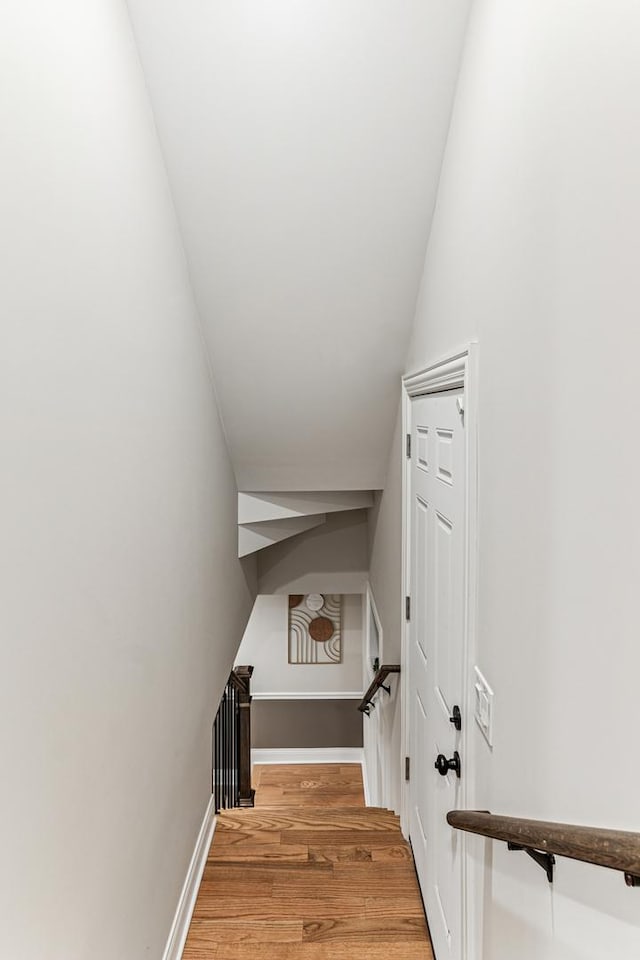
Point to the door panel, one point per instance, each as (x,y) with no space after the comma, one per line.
(436,633)
(422,565)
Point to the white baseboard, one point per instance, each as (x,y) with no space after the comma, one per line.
(187,901)
(321,695)
(310,755)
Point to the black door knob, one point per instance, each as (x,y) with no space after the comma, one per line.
(443,765)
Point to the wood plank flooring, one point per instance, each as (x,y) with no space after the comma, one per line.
(309,874)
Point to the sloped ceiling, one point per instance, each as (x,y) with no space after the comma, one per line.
(303,141)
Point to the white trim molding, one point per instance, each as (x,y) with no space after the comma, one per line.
(309,755)
(187,901)
(371,612)
(323,695)
(449,374)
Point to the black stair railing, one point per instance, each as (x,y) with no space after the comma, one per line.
(378,683)
(232,743)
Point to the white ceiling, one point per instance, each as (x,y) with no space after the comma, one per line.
(303,140)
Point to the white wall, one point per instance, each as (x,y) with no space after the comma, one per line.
(381,732)
(382,728)
(265,645)
(332,558)
(122,603)
(534,250)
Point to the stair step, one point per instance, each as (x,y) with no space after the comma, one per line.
(256,536)
(311,808)
(268,518)
(365,819)
(414,950)
(258,507)
(307,880)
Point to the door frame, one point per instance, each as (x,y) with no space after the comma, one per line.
(457,371)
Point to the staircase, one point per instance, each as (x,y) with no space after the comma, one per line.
(268,518)
(310,873)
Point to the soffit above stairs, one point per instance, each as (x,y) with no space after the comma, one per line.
(303,143)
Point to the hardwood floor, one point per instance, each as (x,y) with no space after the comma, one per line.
(309,874)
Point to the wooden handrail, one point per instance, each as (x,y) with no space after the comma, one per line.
(240,678)
(376,684)
(616,849)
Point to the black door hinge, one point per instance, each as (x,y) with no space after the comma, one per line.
(407,608)
(409,445)
(407,768)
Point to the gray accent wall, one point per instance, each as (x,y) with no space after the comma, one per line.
(280,724)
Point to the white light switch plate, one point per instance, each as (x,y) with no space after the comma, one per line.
(483,709)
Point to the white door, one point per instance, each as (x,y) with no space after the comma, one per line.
(436,636)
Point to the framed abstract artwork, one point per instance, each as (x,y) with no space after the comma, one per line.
(315,628)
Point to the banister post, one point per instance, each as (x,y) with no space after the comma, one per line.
(246,793)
